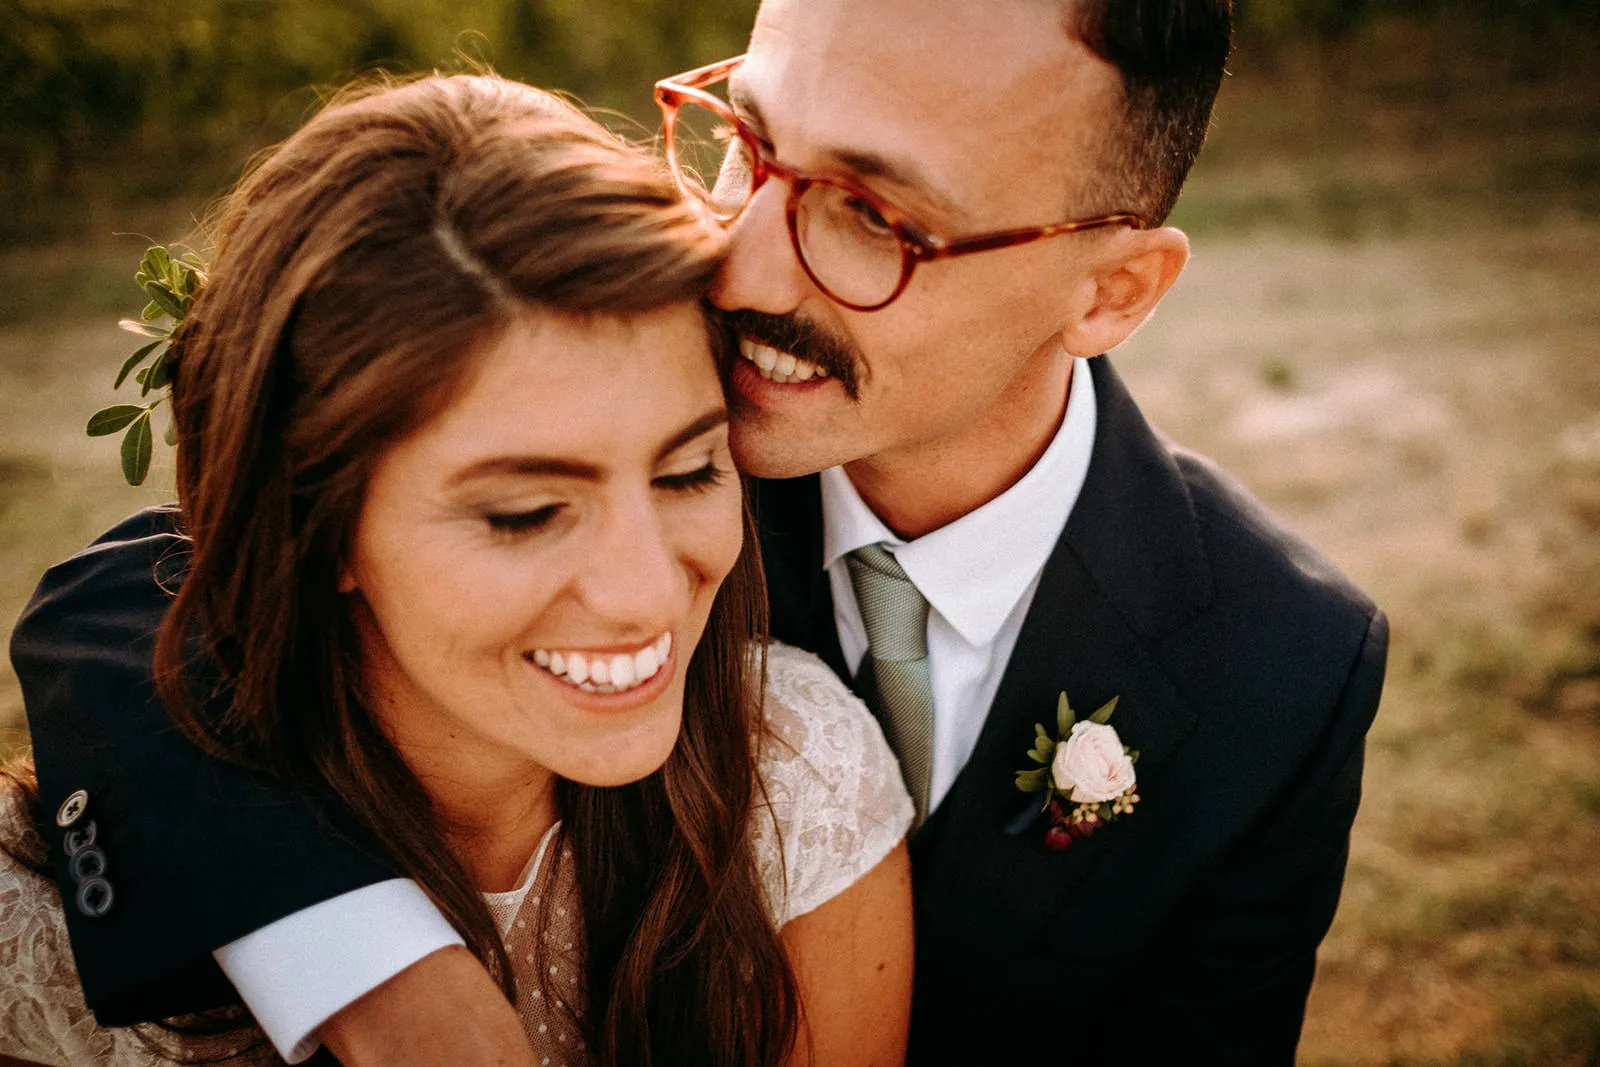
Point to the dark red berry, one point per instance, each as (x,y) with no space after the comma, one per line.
(1083,829)
(1057,838)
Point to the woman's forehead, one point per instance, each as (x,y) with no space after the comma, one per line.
(557,384)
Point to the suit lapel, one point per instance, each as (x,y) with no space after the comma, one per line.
(1128,566)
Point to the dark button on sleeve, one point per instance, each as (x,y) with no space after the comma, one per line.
(94,898)
(78,838)
(87,864)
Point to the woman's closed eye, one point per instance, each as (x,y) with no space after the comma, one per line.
(698,480)
(521,523)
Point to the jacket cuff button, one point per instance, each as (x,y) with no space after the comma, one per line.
(72,808)
(76,840)
(94,898)
(87,864)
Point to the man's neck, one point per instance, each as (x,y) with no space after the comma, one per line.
(917,490)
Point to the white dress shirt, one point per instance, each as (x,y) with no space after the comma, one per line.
(978,575)
(297,973)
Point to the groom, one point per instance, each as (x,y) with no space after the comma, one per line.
(972,464)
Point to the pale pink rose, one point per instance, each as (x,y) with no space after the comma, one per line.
(1092,764)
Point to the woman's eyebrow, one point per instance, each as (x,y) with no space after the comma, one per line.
(549,466)
(559,467)
(704,424)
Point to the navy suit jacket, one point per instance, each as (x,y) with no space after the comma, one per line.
(1248,670)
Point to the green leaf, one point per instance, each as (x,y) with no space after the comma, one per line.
(157,375)
(165,298)
(1065,716)
(143,329)
(1103,716)
(1038,728)
(152,311)
(137,358)
(161,371)
(1033,781)
(137,448)
(109,420)
(171,435)
(157,262)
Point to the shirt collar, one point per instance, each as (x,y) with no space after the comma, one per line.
(975,570)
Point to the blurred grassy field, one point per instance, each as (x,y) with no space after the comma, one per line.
(1391,331)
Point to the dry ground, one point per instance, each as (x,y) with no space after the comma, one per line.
(1390,331)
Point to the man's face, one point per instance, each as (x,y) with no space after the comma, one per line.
(968,116)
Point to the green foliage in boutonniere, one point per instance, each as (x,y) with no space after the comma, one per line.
(170,284)
(1087,774)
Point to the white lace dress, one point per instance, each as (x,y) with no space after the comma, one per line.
(835,807)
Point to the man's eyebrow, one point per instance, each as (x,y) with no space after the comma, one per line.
(558,467)
(903,173)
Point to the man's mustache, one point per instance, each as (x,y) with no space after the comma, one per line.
(800,338)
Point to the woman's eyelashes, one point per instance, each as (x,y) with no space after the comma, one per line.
(512,524)
(694,481)
(521,523)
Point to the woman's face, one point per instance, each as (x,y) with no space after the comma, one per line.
(538,562)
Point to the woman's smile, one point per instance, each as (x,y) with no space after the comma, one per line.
(596,671)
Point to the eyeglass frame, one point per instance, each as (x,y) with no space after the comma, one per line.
(916,244)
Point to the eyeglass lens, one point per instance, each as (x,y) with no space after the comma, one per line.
(846,244)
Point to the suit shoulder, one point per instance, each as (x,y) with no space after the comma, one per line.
(1247,543)
(1286,635)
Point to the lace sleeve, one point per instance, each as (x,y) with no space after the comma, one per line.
(835,805)
(42,1014)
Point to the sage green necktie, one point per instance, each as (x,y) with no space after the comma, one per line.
(898,687)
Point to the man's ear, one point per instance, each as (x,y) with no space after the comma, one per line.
(1137,269)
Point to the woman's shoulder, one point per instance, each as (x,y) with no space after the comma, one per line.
(833,803)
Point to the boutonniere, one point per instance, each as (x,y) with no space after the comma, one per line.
(1087,775)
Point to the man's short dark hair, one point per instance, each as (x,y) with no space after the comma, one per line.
(1171,55)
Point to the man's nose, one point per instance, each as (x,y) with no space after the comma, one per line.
(762,272)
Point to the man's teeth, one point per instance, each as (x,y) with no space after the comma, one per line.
(785,368)
(598,673)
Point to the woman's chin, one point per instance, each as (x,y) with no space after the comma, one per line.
(624,753)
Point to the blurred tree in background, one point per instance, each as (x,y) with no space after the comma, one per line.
(123,100)
(106,101)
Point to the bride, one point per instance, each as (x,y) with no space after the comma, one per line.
(466,544)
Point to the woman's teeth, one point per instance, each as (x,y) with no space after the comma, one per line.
(782,367)
(595,672)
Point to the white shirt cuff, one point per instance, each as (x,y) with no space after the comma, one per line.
(296,973)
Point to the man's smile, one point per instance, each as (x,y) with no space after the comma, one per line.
(785,368)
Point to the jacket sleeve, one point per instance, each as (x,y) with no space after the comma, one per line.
(195,853)
(1243,950)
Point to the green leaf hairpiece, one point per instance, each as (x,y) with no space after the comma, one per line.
(170,284)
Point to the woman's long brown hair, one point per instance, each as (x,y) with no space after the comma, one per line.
(358,267)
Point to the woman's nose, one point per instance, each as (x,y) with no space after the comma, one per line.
(636,579)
